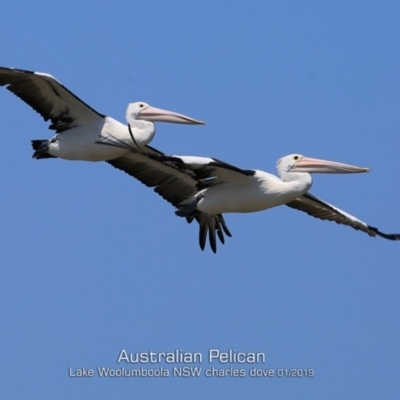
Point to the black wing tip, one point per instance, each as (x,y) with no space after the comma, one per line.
(388,236)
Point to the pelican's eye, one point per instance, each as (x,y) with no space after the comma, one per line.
(296,158)
(141,105)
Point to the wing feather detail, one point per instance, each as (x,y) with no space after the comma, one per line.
(320,209)
(48,97)
(176,183)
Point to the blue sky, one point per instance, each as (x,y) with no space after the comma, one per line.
(94,262)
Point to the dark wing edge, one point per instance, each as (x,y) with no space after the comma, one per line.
(222,164)
(207,171)
(325,211)
(45,95)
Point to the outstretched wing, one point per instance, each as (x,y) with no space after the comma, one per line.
(171,183)
(322,210)
(49,98)
(178,179)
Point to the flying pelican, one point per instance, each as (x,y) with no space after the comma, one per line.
(204,188)
(80,130)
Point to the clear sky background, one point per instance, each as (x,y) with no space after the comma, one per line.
(93,262)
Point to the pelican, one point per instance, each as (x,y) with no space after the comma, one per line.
(203,189)
(80,130)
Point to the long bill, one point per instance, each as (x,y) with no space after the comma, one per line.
(314,165)
(153,114)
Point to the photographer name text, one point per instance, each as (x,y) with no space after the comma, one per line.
(153,364)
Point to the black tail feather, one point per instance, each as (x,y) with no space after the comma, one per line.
(41,147)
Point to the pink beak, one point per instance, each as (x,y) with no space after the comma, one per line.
(314,165)
(153,114)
